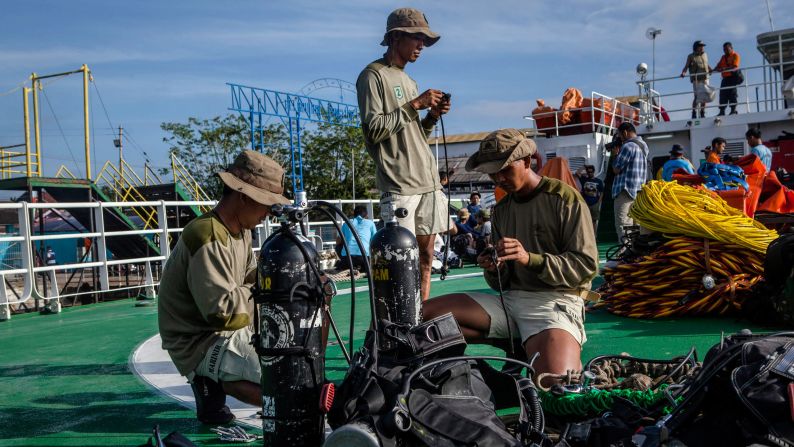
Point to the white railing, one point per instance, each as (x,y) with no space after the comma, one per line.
(27,281)
(768,93)
(325,228)
(603,114)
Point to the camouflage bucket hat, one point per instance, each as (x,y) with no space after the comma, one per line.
(499,149)
(257,176)
(409,20)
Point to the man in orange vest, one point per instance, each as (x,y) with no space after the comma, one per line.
(731,77)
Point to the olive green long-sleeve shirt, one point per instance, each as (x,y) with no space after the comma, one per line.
(555,228)
(394,135)
(205,290)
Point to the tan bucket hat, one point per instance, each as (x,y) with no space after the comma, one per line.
(499,149)
(409,20)
(257,176)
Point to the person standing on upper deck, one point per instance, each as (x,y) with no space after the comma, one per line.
(630,166)
(731,77)
(396,137)
(697,63)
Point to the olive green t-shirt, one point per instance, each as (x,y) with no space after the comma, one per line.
(205,290)
(555,228)
(394,135)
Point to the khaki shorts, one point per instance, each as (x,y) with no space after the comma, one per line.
(232,358)
(533,312)
(427,213)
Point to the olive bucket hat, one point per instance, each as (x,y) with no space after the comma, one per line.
(257,176)
(499,149)
(409,20)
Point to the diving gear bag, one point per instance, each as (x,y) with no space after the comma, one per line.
(424,393)
(773,299)
(741,396)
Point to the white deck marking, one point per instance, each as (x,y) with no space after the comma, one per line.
(153,365)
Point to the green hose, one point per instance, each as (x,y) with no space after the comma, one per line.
(594,402)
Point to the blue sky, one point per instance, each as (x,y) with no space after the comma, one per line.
(156,61)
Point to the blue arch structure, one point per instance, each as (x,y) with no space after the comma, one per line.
(293,109)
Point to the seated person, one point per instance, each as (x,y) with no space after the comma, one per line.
(474,207)
(365,229)
(484,228)
(205,310)
(676,162)
(546,257)
(715,151)
(463,225)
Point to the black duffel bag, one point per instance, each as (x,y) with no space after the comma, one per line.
(742,395)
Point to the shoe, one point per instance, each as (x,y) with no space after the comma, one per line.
(734,112)
(211,406)
(694,115)
(702,114)
(722,113)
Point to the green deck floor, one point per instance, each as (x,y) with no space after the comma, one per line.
(65,378)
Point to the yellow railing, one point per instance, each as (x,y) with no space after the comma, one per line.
(149,176)
(14,163)
(64,172)
(123,186)
(184,179)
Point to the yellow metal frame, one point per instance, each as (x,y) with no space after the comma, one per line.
(150,177)
(64,172)
(185,179)
(34,168)
(124,188)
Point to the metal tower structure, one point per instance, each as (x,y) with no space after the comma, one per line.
(293,110)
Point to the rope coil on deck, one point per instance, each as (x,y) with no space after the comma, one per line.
(672,208)
(670,281)
(710,266)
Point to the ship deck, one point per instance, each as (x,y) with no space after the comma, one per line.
(69,379)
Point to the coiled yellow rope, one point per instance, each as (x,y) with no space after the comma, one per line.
(669,281)
(672,208)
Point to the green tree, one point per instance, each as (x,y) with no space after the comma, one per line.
(333,156)
(206,146)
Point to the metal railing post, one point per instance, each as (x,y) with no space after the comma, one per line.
(86,135)
(162,225)
(26,251)
(53,304)
(147,297)
(36,85)
(5,306)
(101,247)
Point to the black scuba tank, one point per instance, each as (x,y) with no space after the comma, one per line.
(289,340)
(394,256)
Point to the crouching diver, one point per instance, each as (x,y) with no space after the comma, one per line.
(205,308)
(545,257)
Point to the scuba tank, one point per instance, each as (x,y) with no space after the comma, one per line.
(394,257)
(288,339)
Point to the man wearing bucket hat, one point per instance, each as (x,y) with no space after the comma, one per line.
(546,256)
(204,308)
(396,136)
